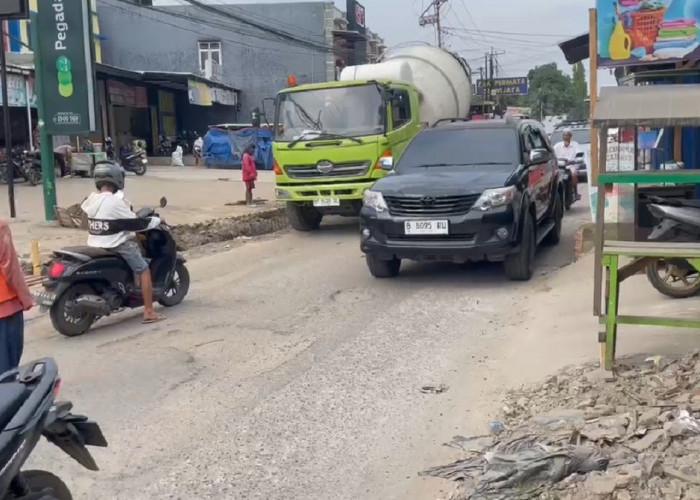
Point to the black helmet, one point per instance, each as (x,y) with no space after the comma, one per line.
(109,172)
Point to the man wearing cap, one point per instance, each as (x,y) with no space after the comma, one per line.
(567,150)
(15,298)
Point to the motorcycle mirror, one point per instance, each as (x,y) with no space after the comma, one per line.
(163,202)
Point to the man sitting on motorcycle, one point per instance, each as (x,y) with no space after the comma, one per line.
(112,224)
(567,150)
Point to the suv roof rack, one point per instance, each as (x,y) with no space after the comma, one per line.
(449,120)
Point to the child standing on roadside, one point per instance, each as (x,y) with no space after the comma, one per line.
(249,173)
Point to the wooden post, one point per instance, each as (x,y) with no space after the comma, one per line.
(36,260)
(593,91)
(599,228)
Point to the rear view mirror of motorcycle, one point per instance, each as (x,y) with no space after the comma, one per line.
(163,202)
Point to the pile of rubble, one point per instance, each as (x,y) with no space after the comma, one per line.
(577,436)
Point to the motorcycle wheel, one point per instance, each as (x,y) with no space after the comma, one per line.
(66,323)
(179,287)
(140,170)
(669,281)
(40,481)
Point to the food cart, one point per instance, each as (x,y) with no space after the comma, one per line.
(656,106)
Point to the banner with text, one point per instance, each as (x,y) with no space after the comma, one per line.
(503,86)
(65,48)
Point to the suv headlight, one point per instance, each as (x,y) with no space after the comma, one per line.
(492,198)
(375,200)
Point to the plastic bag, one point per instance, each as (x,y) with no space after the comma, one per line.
(176,159)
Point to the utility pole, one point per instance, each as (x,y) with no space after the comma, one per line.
(433,19)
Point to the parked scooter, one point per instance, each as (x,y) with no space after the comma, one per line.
(19,173)
(679,221)
(165,146)
(85,283)
(28,410)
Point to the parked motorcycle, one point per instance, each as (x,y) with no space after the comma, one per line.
(28,410)
(165,146)
(31,167)
(85,283)
(109,149)
(570,181)
(134,161)
(17,158)
(680,222)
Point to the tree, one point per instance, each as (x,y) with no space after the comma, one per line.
(551,91)
(579,110)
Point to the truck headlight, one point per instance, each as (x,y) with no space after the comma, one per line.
(492,198)
(375,200)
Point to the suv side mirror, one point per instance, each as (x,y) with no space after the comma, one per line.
(538,156)
(386,163)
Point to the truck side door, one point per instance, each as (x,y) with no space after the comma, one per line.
(402,127)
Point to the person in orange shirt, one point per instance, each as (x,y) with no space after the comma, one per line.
(15,298)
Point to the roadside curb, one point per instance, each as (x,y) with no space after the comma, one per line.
(584,240)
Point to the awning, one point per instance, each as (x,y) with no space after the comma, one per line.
(648,105)
(576,49)
(350,35)
(201,91)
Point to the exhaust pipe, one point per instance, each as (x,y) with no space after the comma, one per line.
(93,304)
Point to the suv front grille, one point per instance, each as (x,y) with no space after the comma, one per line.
(348,169)
(417,206)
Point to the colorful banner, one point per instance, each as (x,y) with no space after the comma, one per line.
(199,93)
(68,91)
(503,86)
(647,31)
(17,92)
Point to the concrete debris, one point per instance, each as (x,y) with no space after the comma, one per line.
(577,436)
(434,389)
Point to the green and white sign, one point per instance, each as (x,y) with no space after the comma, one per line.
(65,43)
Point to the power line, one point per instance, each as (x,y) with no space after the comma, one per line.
(546,35)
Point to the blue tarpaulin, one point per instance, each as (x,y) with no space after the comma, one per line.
(224,148)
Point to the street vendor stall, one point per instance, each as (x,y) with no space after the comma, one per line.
(656,106)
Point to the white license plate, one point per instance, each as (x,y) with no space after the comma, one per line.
(327,202)
(426,227)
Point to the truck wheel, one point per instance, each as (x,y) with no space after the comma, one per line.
(520,266)
(383,268)
(303,217)
(554,236)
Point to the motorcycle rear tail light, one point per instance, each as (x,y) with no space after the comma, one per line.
(56,270)
(56,387)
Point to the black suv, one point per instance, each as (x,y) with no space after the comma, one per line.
(467,191)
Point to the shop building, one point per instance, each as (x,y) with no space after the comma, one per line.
(253,48)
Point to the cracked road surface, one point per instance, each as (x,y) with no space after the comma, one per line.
(290,373)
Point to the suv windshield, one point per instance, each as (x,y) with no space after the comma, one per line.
(461,147)
(582,136)
(345,111)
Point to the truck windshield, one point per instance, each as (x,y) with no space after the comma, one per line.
(461,148)
(344,111)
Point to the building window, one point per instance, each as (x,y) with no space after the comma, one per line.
(209,50)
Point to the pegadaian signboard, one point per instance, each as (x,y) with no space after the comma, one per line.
(647,31)
(65,47)
(503,86)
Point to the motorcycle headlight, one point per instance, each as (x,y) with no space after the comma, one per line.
(144,160)
(492,198)
(374,200)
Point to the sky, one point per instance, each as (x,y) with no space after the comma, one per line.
(529,29)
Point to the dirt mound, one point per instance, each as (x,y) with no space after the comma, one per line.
(219,230)
(576,436)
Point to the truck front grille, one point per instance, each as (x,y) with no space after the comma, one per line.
(429,206)
(348,169)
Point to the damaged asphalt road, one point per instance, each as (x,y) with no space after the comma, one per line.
(289,372)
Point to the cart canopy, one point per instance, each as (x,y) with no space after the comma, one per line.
(649,106)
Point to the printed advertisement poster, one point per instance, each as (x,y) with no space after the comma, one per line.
(620,157)
(503,86)
(647,31)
